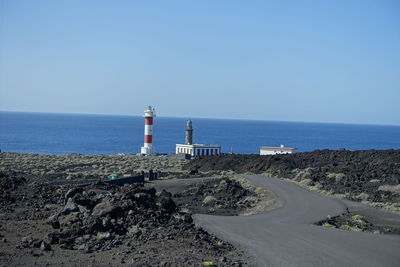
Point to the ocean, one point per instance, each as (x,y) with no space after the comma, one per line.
(48,133)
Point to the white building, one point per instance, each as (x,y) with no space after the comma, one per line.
(271,150)
(195,150)
(198,150)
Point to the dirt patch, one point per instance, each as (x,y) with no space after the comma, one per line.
(358,223)
(371,176)
(103,224)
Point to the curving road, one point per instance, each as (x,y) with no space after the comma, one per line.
(286,236)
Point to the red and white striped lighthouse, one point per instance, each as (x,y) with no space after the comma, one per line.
(147,148)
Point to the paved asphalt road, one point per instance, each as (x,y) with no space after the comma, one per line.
(286,236)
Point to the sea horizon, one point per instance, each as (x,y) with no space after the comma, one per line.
(61,133)
(207,118)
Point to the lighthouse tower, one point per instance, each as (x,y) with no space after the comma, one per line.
(189,133)
(147,148)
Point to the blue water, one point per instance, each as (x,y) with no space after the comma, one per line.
(106,134)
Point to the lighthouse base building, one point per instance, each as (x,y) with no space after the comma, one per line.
(198,150)
(195,150)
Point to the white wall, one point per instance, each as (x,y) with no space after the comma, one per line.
(196,150)
(274,152)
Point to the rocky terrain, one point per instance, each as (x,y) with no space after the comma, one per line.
(371,176)
(358,223)
(218,196)
(43,223)
(76,166)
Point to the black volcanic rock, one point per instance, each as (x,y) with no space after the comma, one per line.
(338,171)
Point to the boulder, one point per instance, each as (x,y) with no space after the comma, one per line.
(104,208)
(69,207)
(141,197)
(45,246)
(209,200)
(68,219)
(73,191)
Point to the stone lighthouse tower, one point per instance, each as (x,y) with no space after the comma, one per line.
(189,133)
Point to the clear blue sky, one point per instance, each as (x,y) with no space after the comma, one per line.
(324,61)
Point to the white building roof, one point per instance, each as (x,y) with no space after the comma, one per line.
(277,148)
(199,145)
